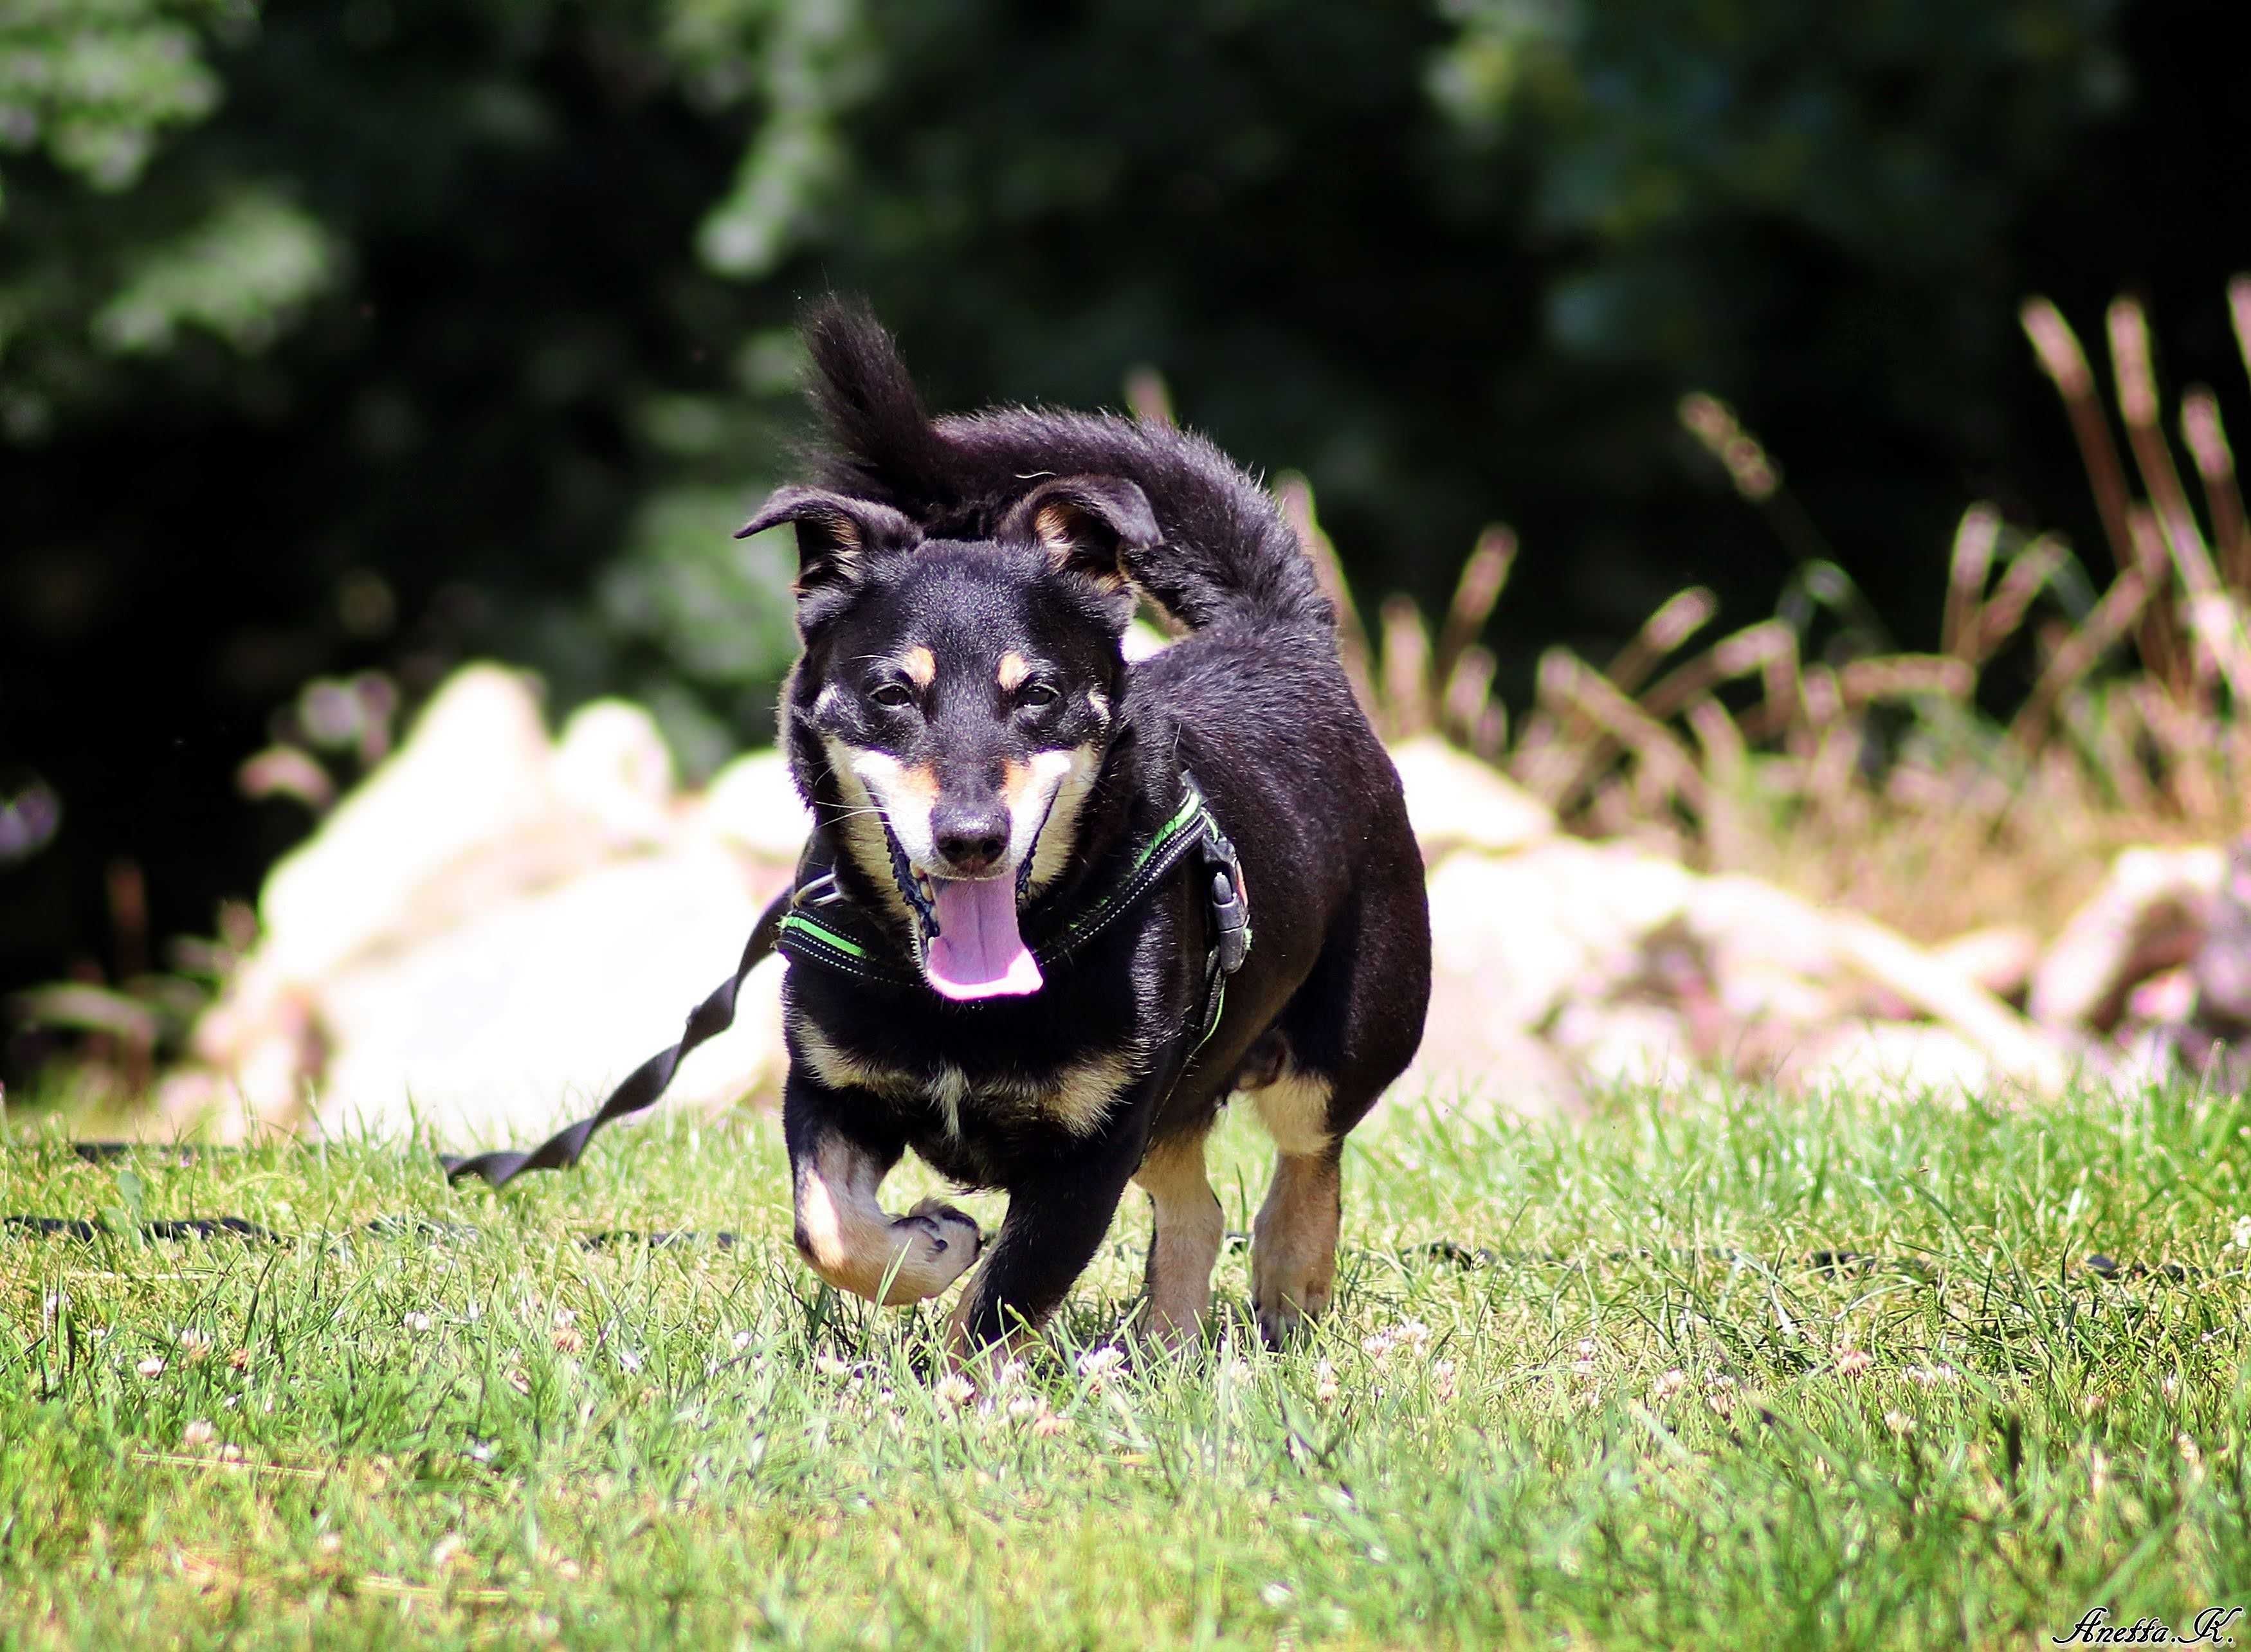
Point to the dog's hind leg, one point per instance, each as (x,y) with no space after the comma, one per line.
(845,1235)
(1185,1247)
(1350,1030)
(1293,1239)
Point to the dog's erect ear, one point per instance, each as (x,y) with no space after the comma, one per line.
(1086,524)
(835,535)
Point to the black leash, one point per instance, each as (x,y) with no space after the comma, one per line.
(643,1086)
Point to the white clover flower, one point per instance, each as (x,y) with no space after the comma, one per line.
(1667,1385)
(1275,1595)
(1851,1362)
(1100,1362)
(195,1347)
(830,1365)
(1442,1378)
(197,1432)
(954,1389)
(741,1340)
(1900,1423)
(1412,1334)
(2241,1239)
(417,1322)
(1325,1383)
(152,1367)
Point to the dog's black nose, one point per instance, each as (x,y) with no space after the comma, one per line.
(971,838)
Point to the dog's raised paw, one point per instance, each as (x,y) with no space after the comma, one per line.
(949,1228)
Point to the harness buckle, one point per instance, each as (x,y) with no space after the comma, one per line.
(1230,920)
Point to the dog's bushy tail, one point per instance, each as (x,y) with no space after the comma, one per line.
(1227,552)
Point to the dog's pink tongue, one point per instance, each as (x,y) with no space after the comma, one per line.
(979,952)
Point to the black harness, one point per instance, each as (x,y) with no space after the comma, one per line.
(815,923)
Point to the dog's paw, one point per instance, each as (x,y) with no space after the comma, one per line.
(1281,1318)
(948,1238)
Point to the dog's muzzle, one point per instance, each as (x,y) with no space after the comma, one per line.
(968,940)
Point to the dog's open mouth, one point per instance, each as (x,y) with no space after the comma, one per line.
(965,930)
(977,951)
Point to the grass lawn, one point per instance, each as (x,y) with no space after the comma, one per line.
(1648,1420)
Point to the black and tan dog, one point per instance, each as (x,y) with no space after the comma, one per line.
(1000,957)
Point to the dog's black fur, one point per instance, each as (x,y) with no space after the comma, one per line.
(1024,536)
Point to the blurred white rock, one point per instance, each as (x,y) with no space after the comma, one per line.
(491,931)
(465,808)
(1528,926)
(1912,1058)
(2148,916)
(2000,958)
(528,1014)
(611,765)
(1457,802)
(1628,1046)
(752,804)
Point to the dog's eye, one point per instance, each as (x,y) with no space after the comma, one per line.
(892,696)
(1037,693)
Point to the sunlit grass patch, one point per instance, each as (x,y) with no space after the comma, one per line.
(1752,1372)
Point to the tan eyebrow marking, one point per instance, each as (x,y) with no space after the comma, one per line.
(919,664)
(1013,669)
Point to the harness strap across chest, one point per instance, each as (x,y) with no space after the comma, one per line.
(815,923)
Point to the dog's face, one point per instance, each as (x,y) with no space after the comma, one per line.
(961,694)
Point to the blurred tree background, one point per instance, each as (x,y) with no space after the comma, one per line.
(369,336)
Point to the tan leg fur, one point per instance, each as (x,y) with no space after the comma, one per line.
(851,1241)
(1293,1241)
(1189,1228)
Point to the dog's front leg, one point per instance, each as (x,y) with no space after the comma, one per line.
(843,1232)
(1049,1234)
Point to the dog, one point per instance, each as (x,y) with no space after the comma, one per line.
(1001,956)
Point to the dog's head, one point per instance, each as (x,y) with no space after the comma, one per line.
(959,695)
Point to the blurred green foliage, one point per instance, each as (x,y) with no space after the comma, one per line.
(366,335)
